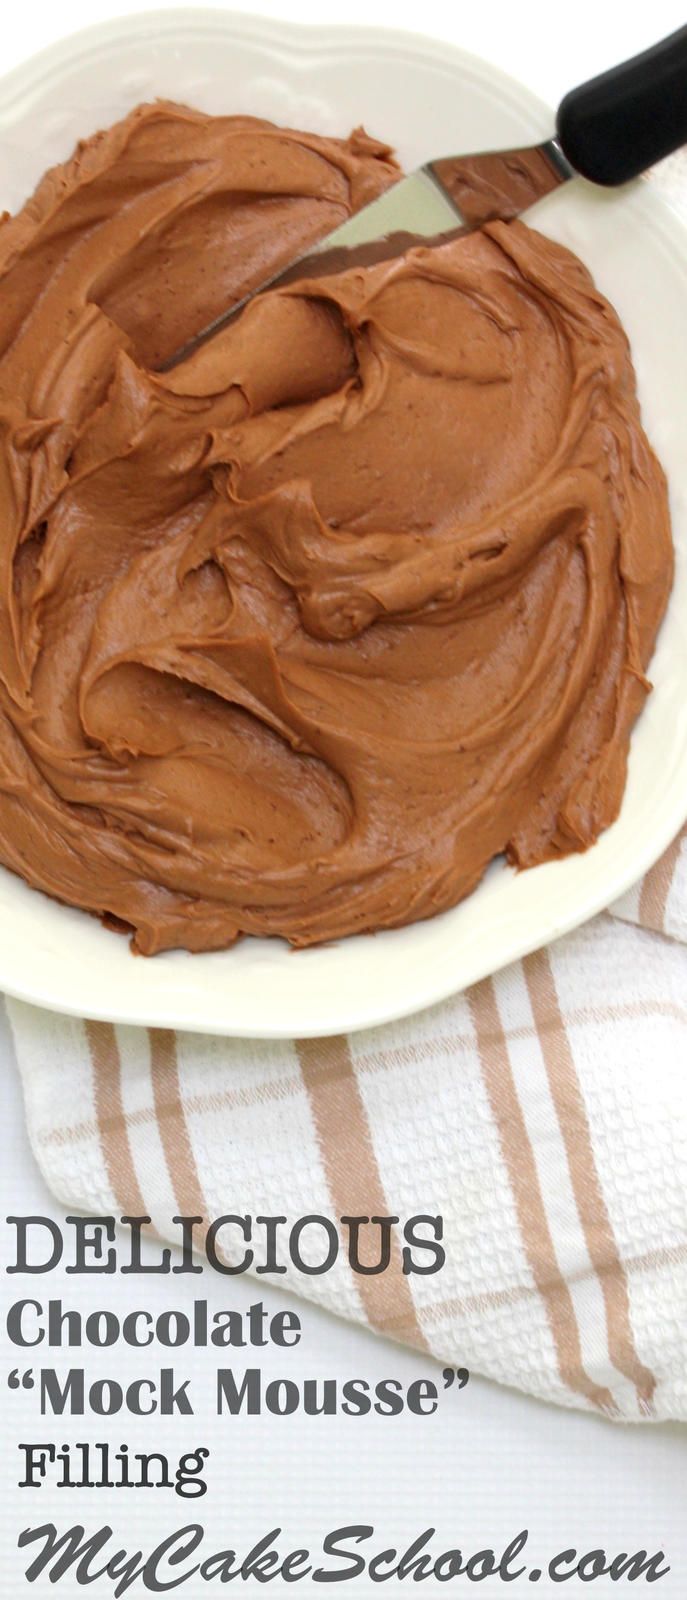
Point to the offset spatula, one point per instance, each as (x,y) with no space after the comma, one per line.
(608,130)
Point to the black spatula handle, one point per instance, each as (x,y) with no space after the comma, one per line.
(617,125)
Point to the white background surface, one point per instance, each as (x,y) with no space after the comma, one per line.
(494,1462)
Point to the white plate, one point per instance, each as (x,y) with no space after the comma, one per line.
(428,99)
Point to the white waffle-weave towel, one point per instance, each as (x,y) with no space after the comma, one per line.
(543,1113)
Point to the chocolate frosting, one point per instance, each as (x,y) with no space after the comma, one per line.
(297,636)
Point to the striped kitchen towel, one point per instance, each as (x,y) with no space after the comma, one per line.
(543,1114)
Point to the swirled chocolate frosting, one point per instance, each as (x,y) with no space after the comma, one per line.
(298,635)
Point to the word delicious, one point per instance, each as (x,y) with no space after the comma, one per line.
(231,1244)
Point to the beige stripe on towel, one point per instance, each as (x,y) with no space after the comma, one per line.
(171,1117)
(110,1119)
(353,1175)
(657,885)
(522,1172)
(589,1197)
